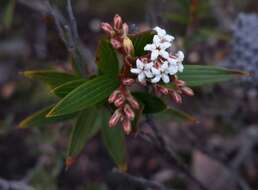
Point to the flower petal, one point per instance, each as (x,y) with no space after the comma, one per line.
(155,71)
(148,66)
(148,74)
(156,79)
(149,47)
(164,54)
(139,64)
(154,55)
(169,38)
(156,40)
(161,32)
(141,77)
(180,56)
(164,66)
(165,45)
(172,69)
(135,70)
(165,78)
(180,67)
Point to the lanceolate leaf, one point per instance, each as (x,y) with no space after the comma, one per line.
(86,95)
(106,58)
(152,104)
(86,127)
(114,140)
(39,118)
(67,87)
(140,40)
(177,115)
(52,78)
(197,75)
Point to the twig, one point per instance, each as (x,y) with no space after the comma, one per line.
(169,154)
(118,180)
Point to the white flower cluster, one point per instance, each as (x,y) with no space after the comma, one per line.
(161,64)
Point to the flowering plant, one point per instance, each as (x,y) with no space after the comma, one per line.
(134,72)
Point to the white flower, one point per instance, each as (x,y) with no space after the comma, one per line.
(180,58)
(156,51)
(162,34)
(143,70)
(161,73)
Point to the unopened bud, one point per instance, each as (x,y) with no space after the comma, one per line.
(135,105)
(115,43)
(128,46)
(163,90)
(128,81)
(180,83)
(114,118)
(125,29)
(187,91)
(177,97)
(129,112)
(119,101)
(127,126)
(113,96)
(107,28)
(118,22)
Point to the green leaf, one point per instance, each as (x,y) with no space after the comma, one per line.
(152,104)
(86,95)
(106,58)
(86,127)
(198,75)
(8,14)
(140,40)
(114,141)
(67,87)
(39,118)
(176,115)
(50,77)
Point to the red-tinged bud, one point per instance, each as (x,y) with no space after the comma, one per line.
(127,126)
(187,91)
(125,29)
(107,28)
(180,83)
(114,119)
(163,90)
(135,105)
(177,97)
(128,81)
(128,46)
(113,96)
(119,101)
(118,22)
(115,43)
(129,112)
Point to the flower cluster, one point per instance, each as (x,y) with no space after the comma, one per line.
(159,65)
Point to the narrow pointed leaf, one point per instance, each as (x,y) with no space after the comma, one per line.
(198,75)
(67,87)
(152,104)
(114,141)
(39,118)
(140,40)
(86,127)
(86,95)
(106,58)
(50,77)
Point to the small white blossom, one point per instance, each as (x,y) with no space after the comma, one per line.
(161,73)
(143,70)
(180,58)
(162,34)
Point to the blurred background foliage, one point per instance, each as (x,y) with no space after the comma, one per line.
(205,29)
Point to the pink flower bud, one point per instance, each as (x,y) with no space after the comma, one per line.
(113,96)
(128,81)
(180,83)
(163,90)
(115,43)
(135,105)
(187,91)
(117,22)
(119,100)
(107,28)
(127,126)
(128,46)
(129,112)
(177,97)
(125,29)
(115,118)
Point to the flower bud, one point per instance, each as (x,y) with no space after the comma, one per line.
(128,81)
(187,91)
(128,46)
(107,28)
(119,101)
(177,97)
(127,126)
(115,118)
(180,82)
(113,96)
(115,43)
(129,112)
(117,22)
(163,90)
(125,29)
(135,105)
